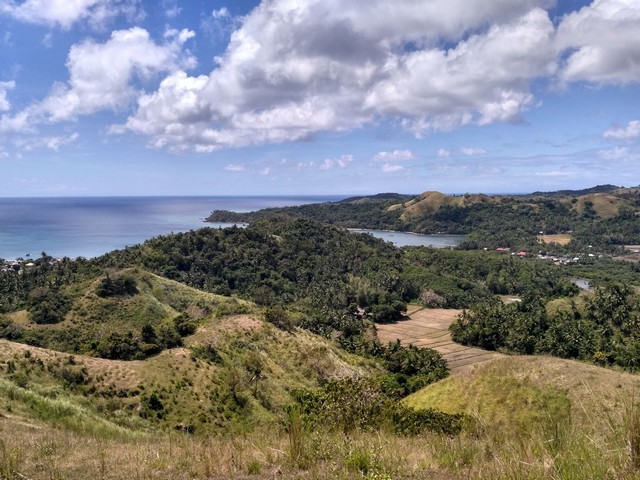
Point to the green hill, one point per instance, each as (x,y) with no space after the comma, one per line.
(604,216)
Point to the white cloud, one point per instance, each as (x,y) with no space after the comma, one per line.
(341,162)
(394,156)
(286,75)
(221,13)
(64,13)
(443,153)
(171,8)
(390,168)
(470,151)
(4,88)
(18,123)
(234,167)
(631,131)
(602,42)
(101,75)
(50,142)
(616,153)
(293,69)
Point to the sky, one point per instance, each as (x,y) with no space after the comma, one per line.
(341,97)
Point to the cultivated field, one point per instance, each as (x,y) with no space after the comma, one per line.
(559,238)
(430,328)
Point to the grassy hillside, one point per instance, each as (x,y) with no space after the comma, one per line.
(133,324)
(542,417)
(234,372)
(532,418)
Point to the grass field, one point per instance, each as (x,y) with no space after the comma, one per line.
(559,238)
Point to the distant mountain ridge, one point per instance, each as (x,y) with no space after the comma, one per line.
(604,215)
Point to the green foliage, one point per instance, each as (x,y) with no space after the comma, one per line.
(408,421)
(112,286)
(279,317)
(47,306)
(512,221)
(207,353)
(362,404)
(184,325)
(346,404)
(316,270)
(607,332)
(152,406)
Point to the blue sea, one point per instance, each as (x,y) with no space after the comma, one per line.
(92,226)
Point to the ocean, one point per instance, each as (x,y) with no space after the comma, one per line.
(92,226)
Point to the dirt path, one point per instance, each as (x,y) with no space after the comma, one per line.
(430,328)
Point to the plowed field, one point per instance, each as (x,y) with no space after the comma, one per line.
(430,328)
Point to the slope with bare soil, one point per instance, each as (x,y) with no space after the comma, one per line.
(430,328)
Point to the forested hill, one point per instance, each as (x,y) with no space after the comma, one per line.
(604,216)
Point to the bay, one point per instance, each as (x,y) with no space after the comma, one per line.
(92,226)
(406,239)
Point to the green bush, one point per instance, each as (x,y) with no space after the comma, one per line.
(407,421)
(119,285)
(47,306)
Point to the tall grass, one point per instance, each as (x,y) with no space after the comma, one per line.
(61,412)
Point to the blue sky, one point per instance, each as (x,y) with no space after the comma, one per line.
(169,97)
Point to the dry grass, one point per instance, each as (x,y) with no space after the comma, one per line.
(559,238)
(604,204)
(534,418)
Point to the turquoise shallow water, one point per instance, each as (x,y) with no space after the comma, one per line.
(92,226)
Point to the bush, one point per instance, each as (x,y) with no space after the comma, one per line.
(279,317)
(119,285)
(346,404)
(407,421)
(47,306)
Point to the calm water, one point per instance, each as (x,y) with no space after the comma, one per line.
(403,239)
(91,226)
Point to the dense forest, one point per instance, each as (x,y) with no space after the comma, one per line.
(604,217)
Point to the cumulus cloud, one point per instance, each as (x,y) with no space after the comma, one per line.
(102,74)
(631,131)
(443,153)
(293,69)
(221,13)
(342,162)
(64,13)
(171,8)
(394,156)
(602,42)
(4,102)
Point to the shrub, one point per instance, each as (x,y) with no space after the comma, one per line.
(47,306)
(407,421)
(119,285)
(279,317)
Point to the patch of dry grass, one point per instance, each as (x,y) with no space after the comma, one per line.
(559,238)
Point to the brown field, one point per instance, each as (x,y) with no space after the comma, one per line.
(430,328)
(559,238)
